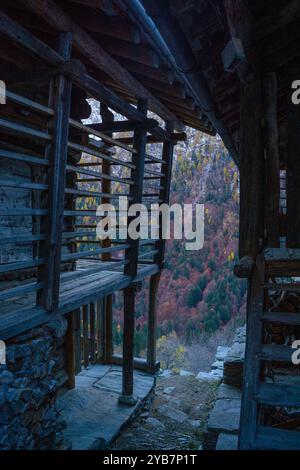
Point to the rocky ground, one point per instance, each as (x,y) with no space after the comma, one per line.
(187,411)
(174,416)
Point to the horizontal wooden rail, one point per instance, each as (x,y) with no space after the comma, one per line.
(23,157)
(20,290)
(24,130)
(27,103)
(104,137)
(17,265)
(23,185)
(99,175)
(88,253)
(83,193)
(22,212)
(21,239)
(154,173)
(96,153)
(149,253)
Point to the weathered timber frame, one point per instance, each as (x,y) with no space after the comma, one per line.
(52,142)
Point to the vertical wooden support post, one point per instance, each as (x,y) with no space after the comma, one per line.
(272,183)
(93,332)
(60,101)
(136,192)
(77,341)
(293,168)
(107,117)
(164,193)
(85,329)
(127,397)
(251,170)
(100,330)
(108,329)
(71,349)
(249,410)
(151,338)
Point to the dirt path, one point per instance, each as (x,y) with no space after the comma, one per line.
(174,416)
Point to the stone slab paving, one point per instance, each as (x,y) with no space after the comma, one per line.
(94,417)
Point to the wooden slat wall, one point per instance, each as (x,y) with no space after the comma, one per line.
(251,170)
(60,101)
(293,169)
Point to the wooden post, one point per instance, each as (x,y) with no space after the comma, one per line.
(136,192)
(77,340)
(127,397)
(107,118)
(60,101)
(293,169)
(151,339)
(85,329)
(100,330)
(255,306)
(272,186)
(71,350)
(164,193)
(108,331)
(251,170)
(93,332)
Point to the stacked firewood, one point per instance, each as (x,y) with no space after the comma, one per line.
(288,302)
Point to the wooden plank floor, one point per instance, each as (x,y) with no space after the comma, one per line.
(92,280)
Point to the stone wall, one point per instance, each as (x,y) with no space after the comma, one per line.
(29,384)
(223,423)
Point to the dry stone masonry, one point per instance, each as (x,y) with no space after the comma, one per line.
(29,383)
(223,423)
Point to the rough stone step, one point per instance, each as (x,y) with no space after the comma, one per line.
(227,442)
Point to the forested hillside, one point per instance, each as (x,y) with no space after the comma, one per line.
(198,293)
(199,298)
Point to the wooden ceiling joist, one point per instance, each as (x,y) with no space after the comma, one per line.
(56,17)
(162,74)
(115,27)
(138,53)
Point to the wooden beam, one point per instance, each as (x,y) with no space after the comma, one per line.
(70,348)
(122,126)
(287,14)
(56,17)
(272,187)
(73,69)
(88,3)
(162,74)
(176,89)
(293,168)
(151,139)
(240,25)
(113,26)
(152,322)
(107,120)
(251,170)
(137,52)
(127,397)
(164,193)
(249,415)
(60,98)
(244,267)
(136,190)
(85,331)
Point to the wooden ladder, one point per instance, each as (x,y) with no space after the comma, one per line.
(257,393)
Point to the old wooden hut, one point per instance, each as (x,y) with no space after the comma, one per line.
(223,66)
